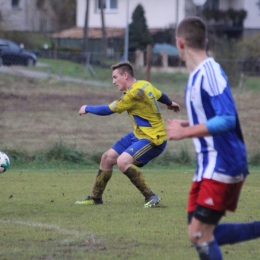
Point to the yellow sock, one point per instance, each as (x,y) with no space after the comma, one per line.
(100,184)
(136,177)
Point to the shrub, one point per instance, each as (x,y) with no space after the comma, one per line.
(183,157)
(254,159)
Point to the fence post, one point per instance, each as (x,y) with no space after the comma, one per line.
(148,62)
(61,71)
(139,59)
(48,71)
(164,56)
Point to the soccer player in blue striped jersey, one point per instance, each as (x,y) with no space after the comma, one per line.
(147,141)
(220,149)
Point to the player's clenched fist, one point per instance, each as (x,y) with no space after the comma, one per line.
(82,110)
(175,129)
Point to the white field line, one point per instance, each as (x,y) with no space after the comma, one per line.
(42,225)
(90,240)
(12,251)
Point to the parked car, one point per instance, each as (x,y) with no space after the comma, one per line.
(12,54)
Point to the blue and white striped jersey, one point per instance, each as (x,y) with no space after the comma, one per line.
(221,157)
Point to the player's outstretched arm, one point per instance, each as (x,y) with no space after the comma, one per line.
(102,110)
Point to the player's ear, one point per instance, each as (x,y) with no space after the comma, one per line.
(180,42)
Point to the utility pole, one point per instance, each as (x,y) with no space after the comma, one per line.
(176,22)
(126,32)
(104,33)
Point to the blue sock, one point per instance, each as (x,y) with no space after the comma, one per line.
(209,251)
(230,233)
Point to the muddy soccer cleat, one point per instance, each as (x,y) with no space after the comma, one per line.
(89,201)
(152,201)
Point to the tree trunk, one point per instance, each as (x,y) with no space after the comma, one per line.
(104,34)
(85,37)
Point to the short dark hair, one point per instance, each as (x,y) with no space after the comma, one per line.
(123,67)
(194,32)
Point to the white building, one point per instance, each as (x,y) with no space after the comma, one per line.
(23,15)
(161,13)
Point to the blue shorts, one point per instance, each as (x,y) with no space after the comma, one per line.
(142,150)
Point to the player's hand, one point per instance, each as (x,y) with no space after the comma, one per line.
(82,110)
(174,106)
(176,129)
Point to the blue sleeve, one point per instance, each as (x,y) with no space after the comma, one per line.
(102,110)
(221,124)
(165,99)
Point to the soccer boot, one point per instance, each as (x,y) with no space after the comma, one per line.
(89,201)
(152,201)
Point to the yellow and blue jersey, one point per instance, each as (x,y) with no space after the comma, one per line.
(140,102)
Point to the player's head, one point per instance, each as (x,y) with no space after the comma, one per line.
(123,75)
(192,32)
(123,67)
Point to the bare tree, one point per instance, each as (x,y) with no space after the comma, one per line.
(40,5)
(64,13)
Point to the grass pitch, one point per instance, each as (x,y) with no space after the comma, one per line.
(40,221)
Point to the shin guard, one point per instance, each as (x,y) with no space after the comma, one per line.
(102,179)
(136,177)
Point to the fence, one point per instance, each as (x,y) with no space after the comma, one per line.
(158,61)
(247,66)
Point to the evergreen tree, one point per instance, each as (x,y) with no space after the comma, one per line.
(139,35)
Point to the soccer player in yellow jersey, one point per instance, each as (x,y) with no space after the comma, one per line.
(134,150)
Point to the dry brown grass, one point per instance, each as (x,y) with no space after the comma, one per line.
(35,115)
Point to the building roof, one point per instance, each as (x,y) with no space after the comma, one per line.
(93,33)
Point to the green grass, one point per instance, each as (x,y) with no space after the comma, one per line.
(61,153)
(64,68)
(76,70)
(252,83)
(40,221)
(103,73)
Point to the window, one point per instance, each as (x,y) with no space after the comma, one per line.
(15,3)
(14,47)
(212,4)
(110,6)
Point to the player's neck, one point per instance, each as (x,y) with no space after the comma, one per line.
(194,58)
(131,82)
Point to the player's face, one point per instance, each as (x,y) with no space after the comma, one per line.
(119,80)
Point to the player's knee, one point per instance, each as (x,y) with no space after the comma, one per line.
(124,161)
(104,157)
(195,237)
(107,158)
(121,164)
